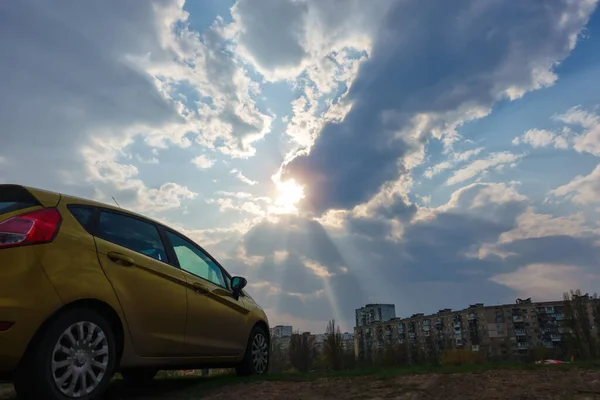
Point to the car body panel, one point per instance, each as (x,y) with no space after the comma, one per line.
(27,298)
(214,317)
(153,297)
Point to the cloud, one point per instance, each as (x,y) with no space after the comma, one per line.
(542,138)
(588,139)
(98,77)
(242,178)
(546,282)
(582,190)
(400,99)
(532,225)
(308,33)
(495,161)
(454,159)
(487,243)
(203,162)
(257,22)
(580,131)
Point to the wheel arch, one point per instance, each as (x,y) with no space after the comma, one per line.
(265,327)
(100,307)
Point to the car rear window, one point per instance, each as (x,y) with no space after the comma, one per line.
(14,197)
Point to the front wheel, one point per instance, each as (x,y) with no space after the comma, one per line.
(74,358)
(256,358)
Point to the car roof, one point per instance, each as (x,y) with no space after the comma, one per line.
(83,201)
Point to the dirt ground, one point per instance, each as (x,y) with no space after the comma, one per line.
(493,385)
(544,384)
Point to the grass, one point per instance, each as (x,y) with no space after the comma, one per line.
(195,386)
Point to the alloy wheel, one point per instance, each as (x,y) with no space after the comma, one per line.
(80,359)
(260,353)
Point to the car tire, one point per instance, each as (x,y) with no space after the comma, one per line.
(63,360)
(256,358)
(138,376)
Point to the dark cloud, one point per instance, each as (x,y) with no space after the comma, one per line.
(562,249)
(260,21)
(305,243)
(438,58)
(433,265)
(65,74)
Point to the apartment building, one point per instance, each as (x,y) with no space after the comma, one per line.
(281,335)
(280,331)
(373,313)
(498,331)
(348,341)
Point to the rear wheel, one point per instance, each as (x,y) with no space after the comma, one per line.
(138,376)
(74,358)
(256,358)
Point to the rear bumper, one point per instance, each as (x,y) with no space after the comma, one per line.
(27,299)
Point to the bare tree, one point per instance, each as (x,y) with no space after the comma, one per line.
(302,351)
(579,333)
(333,347)
(596,312)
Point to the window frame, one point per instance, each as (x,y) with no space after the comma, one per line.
(166,245)
(227,276)
(171,260)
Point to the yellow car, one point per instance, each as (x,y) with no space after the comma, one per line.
(88,289)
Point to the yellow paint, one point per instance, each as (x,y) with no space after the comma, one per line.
(166,320)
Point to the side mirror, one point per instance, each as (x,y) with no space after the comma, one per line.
(237,284)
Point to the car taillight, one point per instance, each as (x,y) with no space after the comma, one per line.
(32,228)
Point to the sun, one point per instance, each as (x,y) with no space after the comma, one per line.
(289,193)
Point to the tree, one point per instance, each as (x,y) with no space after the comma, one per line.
(302,351)
(578,334)
(279,360)
(333,348)
(394,355)
(348,359)
(596,311)
(431,349)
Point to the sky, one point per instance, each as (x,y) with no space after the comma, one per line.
(335,153)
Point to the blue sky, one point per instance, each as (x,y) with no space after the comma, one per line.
(335,153)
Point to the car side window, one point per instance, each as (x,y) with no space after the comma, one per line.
(195,261)
(83,214)
(131,233)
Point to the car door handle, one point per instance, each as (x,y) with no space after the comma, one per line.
(200,288)
(120,259)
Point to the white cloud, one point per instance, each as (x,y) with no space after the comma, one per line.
(308,34)
(318,269)
(531,225)
(493,161)
(582,190)
(581,132)
(455,158)
(280,256)
(588,139)
(242,178)
(542,138)
(480,195)
(534,225)
(97,93)
(203,162)
(547,281)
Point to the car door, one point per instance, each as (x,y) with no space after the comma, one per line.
(152,293)
(217,322)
